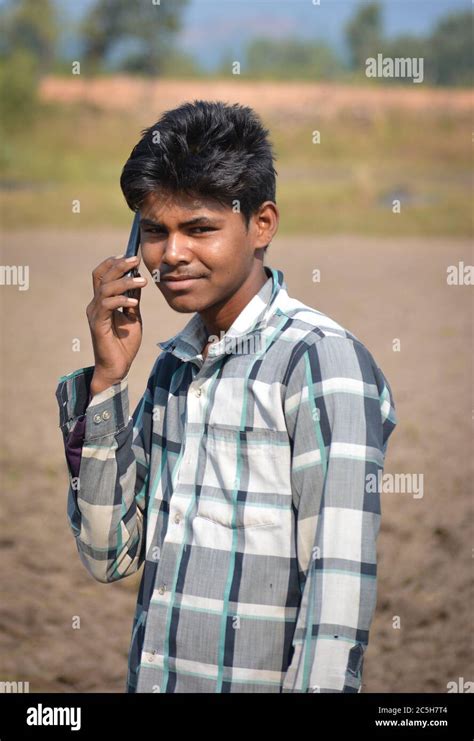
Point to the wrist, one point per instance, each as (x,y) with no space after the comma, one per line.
(100,383)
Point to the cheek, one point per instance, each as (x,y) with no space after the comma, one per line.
(148,253)
(150,260)
(225,254)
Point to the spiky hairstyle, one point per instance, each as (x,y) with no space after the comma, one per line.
(205,148)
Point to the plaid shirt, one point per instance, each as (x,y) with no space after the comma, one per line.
(242,483)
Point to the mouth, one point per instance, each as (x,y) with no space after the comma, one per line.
(180,284)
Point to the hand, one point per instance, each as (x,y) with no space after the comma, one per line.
(116,336)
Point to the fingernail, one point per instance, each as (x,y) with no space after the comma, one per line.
(131,259)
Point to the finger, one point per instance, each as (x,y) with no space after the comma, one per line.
(116,287)
(133,312)
(120,267)
(111,269)
(108,305)
(100,271)
(135,291)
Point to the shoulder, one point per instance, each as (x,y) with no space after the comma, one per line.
(314,337)
(327,360)
(323,351)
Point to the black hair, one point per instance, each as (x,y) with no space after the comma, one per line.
(205,148)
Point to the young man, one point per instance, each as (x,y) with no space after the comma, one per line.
(243,479)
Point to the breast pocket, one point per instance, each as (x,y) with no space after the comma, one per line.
(245,477)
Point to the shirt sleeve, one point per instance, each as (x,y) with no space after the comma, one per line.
(74,442)
(339,412)
(107,453)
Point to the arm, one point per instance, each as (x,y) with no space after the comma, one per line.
(107,454)
(340,413)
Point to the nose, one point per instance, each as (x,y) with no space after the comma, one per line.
(176,249)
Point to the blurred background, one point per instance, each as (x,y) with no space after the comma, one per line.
(375,192)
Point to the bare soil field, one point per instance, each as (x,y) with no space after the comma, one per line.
(382,290)
(291,100)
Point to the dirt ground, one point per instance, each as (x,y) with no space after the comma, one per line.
(295,100)
(381,290)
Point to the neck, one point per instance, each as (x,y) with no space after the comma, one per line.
(219,317)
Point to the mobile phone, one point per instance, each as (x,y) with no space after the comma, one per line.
(132,248)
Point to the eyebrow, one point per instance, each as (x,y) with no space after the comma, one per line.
(190,222)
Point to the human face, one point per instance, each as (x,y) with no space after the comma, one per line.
(208,244)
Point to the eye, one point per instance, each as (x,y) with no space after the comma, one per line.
(153,230)
(201,229)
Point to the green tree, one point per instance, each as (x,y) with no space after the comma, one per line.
(291,59)
(145,27)
(364,34)
(407,46)
(451,50)
(31,26)
(18,90)
(27,51)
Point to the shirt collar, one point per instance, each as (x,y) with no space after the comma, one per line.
(189,342)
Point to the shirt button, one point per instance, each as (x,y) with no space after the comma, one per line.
(106,415)
(177,519)
(162,589)
(97,418)
(198,392)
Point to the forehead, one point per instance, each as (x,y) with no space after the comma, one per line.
(162,203)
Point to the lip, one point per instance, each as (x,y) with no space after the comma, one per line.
(180,284)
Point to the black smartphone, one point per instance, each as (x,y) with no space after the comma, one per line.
(132,247)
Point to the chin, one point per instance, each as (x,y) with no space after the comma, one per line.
(184,304)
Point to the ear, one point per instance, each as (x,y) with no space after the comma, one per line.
(266,222)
